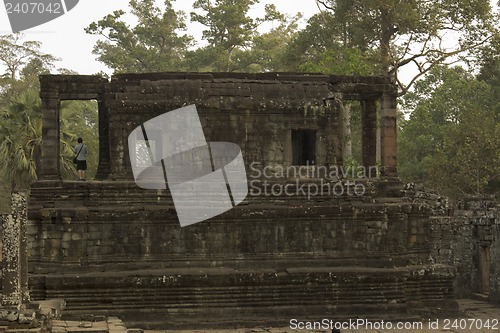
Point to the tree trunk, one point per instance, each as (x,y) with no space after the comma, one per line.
(388,32)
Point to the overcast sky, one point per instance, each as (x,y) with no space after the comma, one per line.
(65,38)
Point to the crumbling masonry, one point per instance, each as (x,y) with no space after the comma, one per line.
(109,247)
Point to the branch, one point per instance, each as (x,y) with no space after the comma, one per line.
(407,48)
(422,70)
(443,54)
(408,60)
(322,2)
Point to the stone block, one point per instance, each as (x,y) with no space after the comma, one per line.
(10,315)
(76,236)
(66,236)
(27,317)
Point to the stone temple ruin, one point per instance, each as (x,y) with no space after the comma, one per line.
(108,247)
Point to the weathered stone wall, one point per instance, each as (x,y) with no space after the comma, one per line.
(225,297)
(477,246)
(256,114)
(257,262)
(256,111)
(465,235)
(114,248)
(85,225)
(105,244)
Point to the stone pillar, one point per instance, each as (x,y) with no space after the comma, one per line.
(50,130)
(388,134)
(104,166)
(369,132)
(21,209)
(14,251)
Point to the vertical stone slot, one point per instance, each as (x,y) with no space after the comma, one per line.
(485,268)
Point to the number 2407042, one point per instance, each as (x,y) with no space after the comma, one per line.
(33,8)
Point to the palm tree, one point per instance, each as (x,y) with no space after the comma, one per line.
(21,141)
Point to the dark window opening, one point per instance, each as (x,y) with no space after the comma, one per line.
(303,147)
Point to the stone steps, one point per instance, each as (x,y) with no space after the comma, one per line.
(181,296)
(127,192)
(484,297)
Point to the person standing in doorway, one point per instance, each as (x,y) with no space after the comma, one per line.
(81,152)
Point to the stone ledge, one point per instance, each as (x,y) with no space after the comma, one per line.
(153,298)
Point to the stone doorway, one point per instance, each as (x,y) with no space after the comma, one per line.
(57,89)
(79,119)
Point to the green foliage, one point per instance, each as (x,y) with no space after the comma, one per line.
(452,138)
(233,41)
(227,21)
(15,55)
(413,32)
(216,59)
(152,45)
(155,43)
(268,49)
(23,62)
(339,61)
(21,139)
(469,161)
(323,47)
(5,198)
(21,116)
(489,61)
(351,163)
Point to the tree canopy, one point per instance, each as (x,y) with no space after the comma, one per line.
(348,37)
(154,44)
(158,41)
(424,33)
(322,47)
(21,116)
(23,62)
(231,33)
(16,54)
(452,138)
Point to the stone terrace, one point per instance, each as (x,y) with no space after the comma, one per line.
(111,248)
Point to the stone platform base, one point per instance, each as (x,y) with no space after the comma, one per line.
(91,325)
(32,315)
(223,297)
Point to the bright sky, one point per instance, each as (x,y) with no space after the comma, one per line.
(65,38)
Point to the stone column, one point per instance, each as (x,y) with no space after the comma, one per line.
(369,132)
(388,136)
(103,168)
(21,209)
(15,274)
(50,130)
